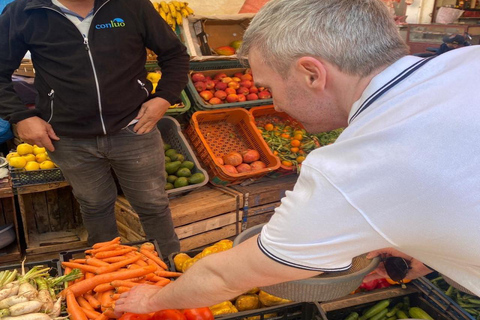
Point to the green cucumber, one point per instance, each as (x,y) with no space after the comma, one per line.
(378,307)
(419,313)
(352,316)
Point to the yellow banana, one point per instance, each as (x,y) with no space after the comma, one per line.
(184,12)
(173,10)
(164,6)
(155,5)
(162,14)
(179,19)
(190,11)
(176,4)
(170,19)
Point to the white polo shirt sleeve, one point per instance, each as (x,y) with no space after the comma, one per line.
(316,228)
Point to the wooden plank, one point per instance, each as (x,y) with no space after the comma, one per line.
(26,215)
(6,190)
(126,216)
(41,187)
(265,190)
(40,213)
(209,237)
(8,209)
(127,233)
(206,225)
(66,207)
(259,219)
(38,245)
(54,216)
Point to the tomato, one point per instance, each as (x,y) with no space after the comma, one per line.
(168,314)
(198,314)
(135,316)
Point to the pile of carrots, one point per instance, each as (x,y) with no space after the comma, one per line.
(109,269)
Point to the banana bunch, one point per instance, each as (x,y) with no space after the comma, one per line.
(173,12)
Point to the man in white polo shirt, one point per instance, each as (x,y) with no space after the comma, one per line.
(404,174)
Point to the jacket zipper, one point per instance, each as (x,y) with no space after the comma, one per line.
(87,48)
(51,95)
(143,87)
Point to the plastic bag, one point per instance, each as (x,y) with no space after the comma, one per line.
(5,131)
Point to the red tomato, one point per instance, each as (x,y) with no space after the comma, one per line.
(198,314)
(168,314)
(135,316)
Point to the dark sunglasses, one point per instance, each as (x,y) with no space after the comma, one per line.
(396,268)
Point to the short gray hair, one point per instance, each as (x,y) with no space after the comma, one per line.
(358,36)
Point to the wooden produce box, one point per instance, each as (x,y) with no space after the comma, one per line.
(201,217)
(8,215)
(51,218)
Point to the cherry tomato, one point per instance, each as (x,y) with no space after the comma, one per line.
(135,316)
(198,314)
(168,314)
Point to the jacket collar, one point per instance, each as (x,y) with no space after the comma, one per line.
(38,4)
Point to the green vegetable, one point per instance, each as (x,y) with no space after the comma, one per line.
(393,311)
(401,315)
(419,313)
(377,308)
(352,316)
(406,303)
(380,315)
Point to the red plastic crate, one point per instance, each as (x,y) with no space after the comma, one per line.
(217,132)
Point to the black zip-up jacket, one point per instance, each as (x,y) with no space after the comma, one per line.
(94,85)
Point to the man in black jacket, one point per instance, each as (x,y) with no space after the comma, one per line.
(95,111)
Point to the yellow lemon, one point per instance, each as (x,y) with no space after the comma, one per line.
(37,150)
(24,148)
(32,165)
(153,77)
(12,154)
(29,157)
(154,87)
(41,157)
(17,162)
(47,165)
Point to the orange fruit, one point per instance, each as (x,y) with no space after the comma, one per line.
(294,149)
(287,163)
(298,136)
(300,159)
(269,127)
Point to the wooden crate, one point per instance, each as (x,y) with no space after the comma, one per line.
(266,190)
(200,217)
(8,215)
(51,218)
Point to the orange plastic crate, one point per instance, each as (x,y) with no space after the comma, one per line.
(215,133)
(268,114)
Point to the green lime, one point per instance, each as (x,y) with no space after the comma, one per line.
(187,164)
(181,182)
(183,172)
(166,146)
(180,157)
(196,178)
(169,186)
(172,167)
(167,160)
(236,44)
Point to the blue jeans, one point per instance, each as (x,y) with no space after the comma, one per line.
(139,164)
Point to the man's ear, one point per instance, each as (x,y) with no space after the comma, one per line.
(312,72)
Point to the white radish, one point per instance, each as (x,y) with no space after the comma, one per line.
(5,293)
(11,301)
(25,307)
(27,290)
(45,297)
(30,316)
(57,308)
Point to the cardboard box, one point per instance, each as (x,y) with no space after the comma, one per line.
(202,34)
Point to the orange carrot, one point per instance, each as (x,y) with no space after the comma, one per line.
(92,300)
(114,259)
(82,261)
(88,284)
(83,267)
(81,278)
(96,262)
(74,310)
(110,313)
(141,263)
(112,253)
(162,283)
(106,299)
(117,265)
(102,316)
(101,244)
(116,296)
(121,290)
(91,314)
(153,257)
(156,278)
(123,283)
(82,302)
(168,274)
(103,287)
(104,248)
(89,275)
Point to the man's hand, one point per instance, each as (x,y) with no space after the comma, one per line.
(138,300)
(37,131)
(418,269)
(150,113)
